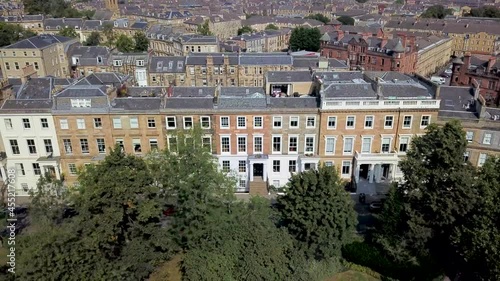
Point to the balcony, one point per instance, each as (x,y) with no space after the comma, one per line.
(390,157)
(381,104)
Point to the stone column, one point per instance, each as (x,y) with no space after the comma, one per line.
(371,173)
(356,173)
(251,171)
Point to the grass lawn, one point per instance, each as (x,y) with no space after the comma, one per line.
(352,275)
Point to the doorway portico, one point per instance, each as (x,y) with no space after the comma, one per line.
(258,169)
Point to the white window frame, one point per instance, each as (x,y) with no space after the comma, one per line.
(72,169)
(222,150)
(272,144)
(353,122)
(63,124)
(290,122)
(313,144)
(422,121)
(184,118)
(206,118)
(238,144)
(363,142)
(238,122)
(80,123)
(344,145)
(372,121)
(486,140)
(411,121)
(408,138)
(482,159)
(392,122)
(327,151)
(261,144)
(275,118)
(167,122)
(297,144)
(117,123)
(328,127)
(134,122)
(261,122)
(469,135)
(98,145)
(346,175)
(382,143)
(42,123)
(228,122)
(314,122)
(8,123)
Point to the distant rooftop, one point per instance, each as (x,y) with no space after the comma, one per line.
(39,42)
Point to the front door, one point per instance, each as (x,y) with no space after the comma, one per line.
(258,170)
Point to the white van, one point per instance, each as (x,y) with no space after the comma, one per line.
(438,80)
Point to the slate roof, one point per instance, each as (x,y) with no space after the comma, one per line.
(77,91)
(87,55)
(136,104)
(193,92)
(103,78)
(39,42)
(60,23)
(167,65)
(304,102)
(195,103)
(36,88)
(27,105)
(217,58)
(265,59)
(289,76)
(454,101)
(199,39)
(146,91)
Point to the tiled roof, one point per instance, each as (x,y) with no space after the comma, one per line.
(39,42)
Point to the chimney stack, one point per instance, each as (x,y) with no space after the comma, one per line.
(466,65)
(492,60)
(378,88)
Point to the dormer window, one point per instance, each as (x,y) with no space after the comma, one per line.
(116,24)
(58,27)
(170,64)
(180,64)
(117,62)
(99,60)
(140,62)
(125,24)
(79,103)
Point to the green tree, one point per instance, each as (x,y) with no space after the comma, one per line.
(319,17)
(436,11)
(191,180)
(94,39)
(141,42)
(68,32)
(318,212)
(346,20)
(110,35)
(477,239)
(124,44)
(245,29)
(243,243)
(271,27)
(56,8)
(12,33)
(304,38)
(115,234)
(438,194)
(49,199)
(204,29)
(485,12)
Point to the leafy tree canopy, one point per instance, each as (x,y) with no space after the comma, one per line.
(69,32)
(12,33)
(141,42)
(318,17)
(94,39)
(115,233)
(245,29)
(307,39)
(242,243)
(271,27)
(318,212)
(485,12)
(56,8)
(439,194)
(204,29)
(436,11)
(346,20)
(125,44)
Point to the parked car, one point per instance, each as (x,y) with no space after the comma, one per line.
(445,75)
(376,206)
(448,71)
(438,80)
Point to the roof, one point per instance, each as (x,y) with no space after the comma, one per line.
(77,91)
(193,92)
(39,42)
(87,55)
(289,76)
(27,105)
(167,64)
(103,78)
(456,102)
(195,103)
(135,103)
(36,88)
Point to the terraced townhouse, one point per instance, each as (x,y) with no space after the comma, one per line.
(362,123)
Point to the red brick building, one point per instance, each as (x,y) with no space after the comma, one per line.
(371,53)
(479,70)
